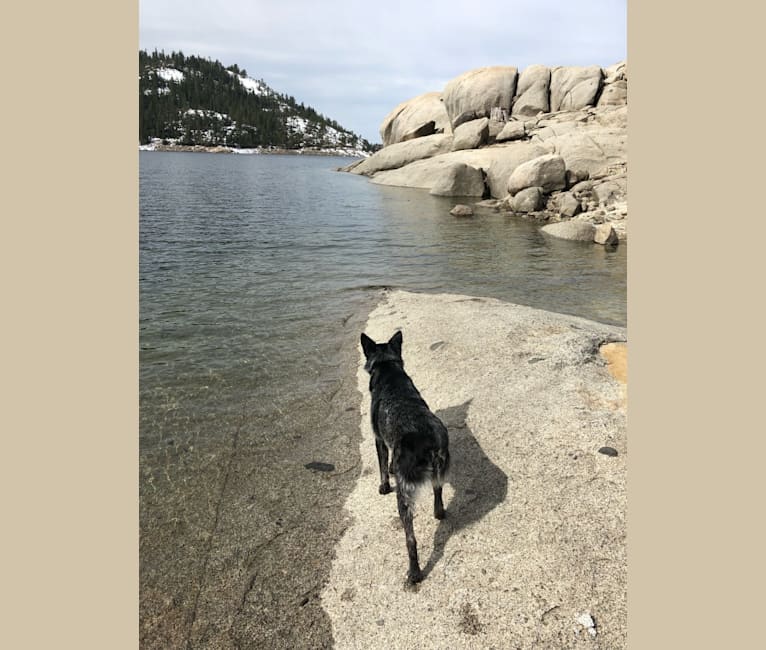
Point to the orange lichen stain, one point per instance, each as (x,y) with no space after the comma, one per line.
(616,356)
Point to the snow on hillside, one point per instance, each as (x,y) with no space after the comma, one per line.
(170,74)
(251,85)
(296,123)
(207,113)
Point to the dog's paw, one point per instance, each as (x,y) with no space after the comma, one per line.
(413,577)
(384,488)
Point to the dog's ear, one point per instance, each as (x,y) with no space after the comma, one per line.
(368,345)
(396,343)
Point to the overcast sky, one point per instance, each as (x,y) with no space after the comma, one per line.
(354,61)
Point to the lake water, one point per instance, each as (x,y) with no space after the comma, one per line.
(247,264)
(255,276)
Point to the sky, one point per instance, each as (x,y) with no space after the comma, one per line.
(354,61)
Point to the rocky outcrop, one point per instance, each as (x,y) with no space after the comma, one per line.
(417,117)
(498,162)
(402,153)
(528,398)
(471,135)
(562,130)
(533,92)
(459,179)
(475,93)
(573,88)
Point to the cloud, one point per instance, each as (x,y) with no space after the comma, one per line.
(354,61)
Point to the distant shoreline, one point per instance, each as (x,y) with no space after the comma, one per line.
(197,148)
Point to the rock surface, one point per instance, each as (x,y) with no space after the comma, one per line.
(533,92)
(553,114)
(574,87)
(462,210)
(535,532)
(573,230)
(547,172)
(402,153)
(605,234)
(528,200)
(475,93)
(511,131)
(471,135)
(497,161)
(459,179)
(417,117)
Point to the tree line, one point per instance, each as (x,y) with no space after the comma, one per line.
(210,106)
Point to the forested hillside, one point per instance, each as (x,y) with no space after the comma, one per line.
(189,100)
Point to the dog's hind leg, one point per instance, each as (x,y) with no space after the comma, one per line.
(382,449)
(439,511)
(404,499)
(440,466)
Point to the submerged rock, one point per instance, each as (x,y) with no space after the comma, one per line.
(572,230)
(461,210)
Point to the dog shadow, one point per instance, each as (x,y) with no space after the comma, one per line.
(479,485)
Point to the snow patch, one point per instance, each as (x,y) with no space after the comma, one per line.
(204,113)
(170,74)
(251,85)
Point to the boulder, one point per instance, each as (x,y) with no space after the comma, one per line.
(547,171)
(608,192)
(459,179)
(581,188)
(615,94)
(417,117)
(572,230)
(574,87)
(475,93)
(402,153)
(528,200)
(533,91)
(568,205)
(512,130)
(615,117)
(590,149)
(616,72)
(461,210)
(471,135)
(605,234)
(498,162)
(495,128)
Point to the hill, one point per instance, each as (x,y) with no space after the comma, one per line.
(190,100)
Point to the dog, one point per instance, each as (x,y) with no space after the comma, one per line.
(404,425)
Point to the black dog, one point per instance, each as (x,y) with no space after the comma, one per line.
(404,424)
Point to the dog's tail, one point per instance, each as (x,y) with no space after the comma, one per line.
(418,463)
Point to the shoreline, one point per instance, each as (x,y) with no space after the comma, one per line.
(235,550)
(255,151)
(535,533)
(535,537)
